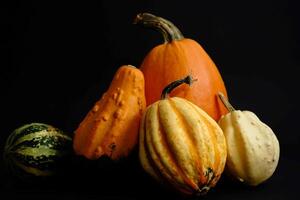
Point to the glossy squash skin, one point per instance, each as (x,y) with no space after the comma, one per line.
(111,126)
(36,150)
(175,58)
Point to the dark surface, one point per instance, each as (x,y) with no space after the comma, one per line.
(58,58)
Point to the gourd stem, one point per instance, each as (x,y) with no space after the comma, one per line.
(168,89)
(169,31)
(225,102)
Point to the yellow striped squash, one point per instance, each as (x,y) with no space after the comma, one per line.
(181,145)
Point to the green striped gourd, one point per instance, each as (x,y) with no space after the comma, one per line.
(35,150)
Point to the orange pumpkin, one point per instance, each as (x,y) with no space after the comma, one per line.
(111,126)
(174,59)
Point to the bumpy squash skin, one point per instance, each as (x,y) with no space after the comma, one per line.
(182,145)
(174,59)
(111,126)
(253,149)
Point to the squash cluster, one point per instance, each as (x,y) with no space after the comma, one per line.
(174,108)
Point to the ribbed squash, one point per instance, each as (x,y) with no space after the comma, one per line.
(181,145)
(111,126)
(175,58)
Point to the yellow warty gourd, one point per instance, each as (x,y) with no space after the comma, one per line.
(253,149)
(181,145)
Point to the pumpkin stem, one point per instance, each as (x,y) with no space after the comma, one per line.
(225,102)
(169,31)
(168,89)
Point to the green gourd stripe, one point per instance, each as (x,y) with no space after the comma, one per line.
(40,134)
(36,149)
(43,163)
(34,171)
(28,129)
(49,142)
(42,151)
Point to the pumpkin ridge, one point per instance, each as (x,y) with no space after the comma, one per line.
(150,165)
(203,142)
(217,151)
(150,159)
(181,156)
(179,182)
(158,173)
(213,138)
(171,154)
(145,159)
(186,126)
(155,155)
(217,159)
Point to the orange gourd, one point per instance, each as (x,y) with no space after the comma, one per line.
(111,126)
(175,58)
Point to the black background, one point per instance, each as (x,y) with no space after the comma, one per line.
(57,58)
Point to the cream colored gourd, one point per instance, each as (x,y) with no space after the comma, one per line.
(253,149)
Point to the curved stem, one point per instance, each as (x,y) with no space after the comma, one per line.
(168,89)
(169,31)
(225,102)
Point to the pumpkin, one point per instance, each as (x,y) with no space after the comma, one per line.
(253,149)
(181,145)
(111,127)
(36,150)
(175,58)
